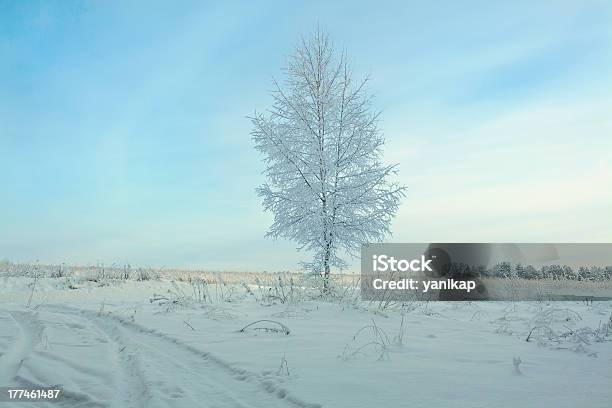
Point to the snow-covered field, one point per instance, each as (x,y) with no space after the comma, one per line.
(177,344)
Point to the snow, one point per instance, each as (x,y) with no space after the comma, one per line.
(110,346)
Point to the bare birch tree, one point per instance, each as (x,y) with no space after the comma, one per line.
(327,186)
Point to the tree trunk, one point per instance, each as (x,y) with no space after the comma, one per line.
(326,269)
(327,241)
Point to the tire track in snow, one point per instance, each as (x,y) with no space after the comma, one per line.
(69,399)
(29,331)
(17,359)
(28,366)
(163,372)
(129,388)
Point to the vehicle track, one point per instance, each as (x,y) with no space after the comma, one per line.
(149,368)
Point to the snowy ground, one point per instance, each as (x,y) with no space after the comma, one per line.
(110,346)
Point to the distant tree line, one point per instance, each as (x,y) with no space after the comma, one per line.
(555,272)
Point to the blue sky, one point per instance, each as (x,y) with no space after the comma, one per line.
(123,135)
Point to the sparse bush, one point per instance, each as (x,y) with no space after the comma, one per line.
(146,274)
(200,290)
(380,343)
(173,298)
(283,369)
(516,362)
(5,264)
(269,326)
(61,271)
